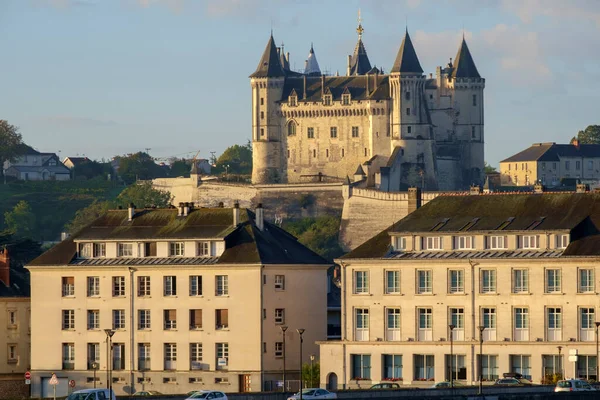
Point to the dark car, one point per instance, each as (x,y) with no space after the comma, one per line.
(385,385)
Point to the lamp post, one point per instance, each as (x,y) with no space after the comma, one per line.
(597,368)
(559,362)
(481,329)
(283,329)
(95,368)
(300,332)
(312,359)
(109,335)
(451,326)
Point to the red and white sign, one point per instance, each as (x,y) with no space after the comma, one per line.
(54,380)
(72,383)
(27,375)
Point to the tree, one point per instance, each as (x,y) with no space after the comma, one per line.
(87,215)
(311,375)
(235,159)
(91,169)
(180,168)
(139,166)
(488,169)
(318,234)
(144,195)
(590,135)
(21,220)
(11,143)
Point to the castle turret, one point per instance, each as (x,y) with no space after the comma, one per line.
(311,66)
(358,63)
(267,87)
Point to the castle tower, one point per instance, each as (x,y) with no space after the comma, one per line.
(467,85)
(358,62)
(267,87)
(311,66)
(411,127)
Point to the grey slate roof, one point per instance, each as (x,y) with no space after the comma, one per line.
(406,59)
(356,86)
(19,284)
(269,65)
(509,254)
(359,63)
(464,66)
(553,152)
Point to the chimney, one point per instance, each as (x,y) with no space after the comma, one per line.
(376,78)
(130,211)
(260,217)
(367,84)
(538,187)
(575,142)
(236,214)
(287,57)
(582,188)
(349,63)
(475,190)
(186,209)
(414,199)
(5,267)
(180,209)
(322,85)
(304,91)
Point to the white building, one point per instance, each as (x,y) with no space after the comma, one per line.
(36,166)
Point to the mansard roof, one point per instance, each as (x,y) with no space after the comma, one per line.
(407,60)
(337,85)
(464,66)
(359,63)
(269,65)
(554,152)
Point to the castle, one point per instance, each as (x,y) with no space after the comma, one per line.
(387,131)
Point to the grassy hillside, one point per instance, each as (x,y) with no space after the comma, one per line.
(54,203)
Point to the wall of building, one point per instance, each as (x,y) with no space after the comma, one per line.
(18,334)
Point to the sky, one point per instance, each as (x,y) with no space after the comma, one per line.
(108,77)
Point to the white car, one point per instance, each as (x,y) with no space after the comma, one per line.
(92,394)
(573,385)
(314,394)
(208,395)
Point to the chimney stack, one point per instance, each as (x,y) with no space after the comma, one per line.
(575,142)
(130,212)
(475,190)
(186,209)
(582,188)
(349,64)
(414,199)
(304,91)
(180,209)
(322,85)
(5,267)
(538,187)
(236,214)
(260,217)
(367,83)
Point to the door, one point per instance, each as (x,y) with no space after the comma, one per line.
(332,381)
(245,383)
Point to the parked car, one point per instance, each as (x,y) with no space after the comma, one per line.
(573,385)
(385,385)
(147,393)
(314,394)
(446,385)
(92,394)
(513,382)
(208,395)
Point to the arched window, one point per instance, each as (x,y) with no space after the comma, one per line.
(291,128)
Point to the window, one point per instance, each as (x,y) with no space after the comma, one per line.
(170,317)
(314,154)
(567,165)
(355,131)
(195,285)
(279,315)
(433,243)
(577,165)
(12,354)
(170,285)
(68,286)
(222,352)
(424,365)
(222,319)
(464,242)
(170,356)
(488,281)
(562,241)
(472,132)
(222,285)
(587,318)
(93,319)
(401,243)
(279,282)
(143,356)
(346,99)
(262,101)
(489,367)
(366,152)
(118,359)
(327,153)
(195,356)
(408,111)
(12,318)
(409,129)
(586,280)
(293,101)
(590,164)
(204,249)
(262,115)
(392,282)
(586,367)
(553,281)
(342,153)
(85,250)
(474,100)
(488,321)
(118,284)
(392,366)
(529,242)
(361,282)
(176,249)
(125,250)
(310,133)
(455,366)
(425,324)
(424,282)
(520,280)
(456,281)
(407,95)
(93,286)
(143,319)
(291,129)
(99,249)
(118,319)
(554,323)
(143,286)
(68,353)
(333,132)
(392,324)
(278,349)
(327,100)
(150,249)
(362,324)
(93,355)
(521,364)
(195,319)
(521,323)
(361,366)
(68,319)
(262,131)
(497,242)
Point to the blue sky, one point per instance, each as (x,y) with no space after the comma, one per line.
(109,77)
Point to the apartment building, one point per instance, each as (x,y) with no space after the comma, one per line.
(520,266)
(193,298)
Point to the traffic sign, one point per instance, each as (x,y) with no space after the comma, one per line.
(27,375)
(27,382)
(573,358)
(53,380)
(72,383)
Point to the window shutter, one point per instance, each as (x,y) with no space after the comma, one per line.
(537,241)
(225,317)
(505,244)
(172,315)
(70,280)
(520,242)
(197,318)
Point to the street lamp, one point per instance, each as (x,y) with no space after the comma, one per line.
(95,368)
(109,335)
(597,374)
(559,362)
(312,359)
(481,329)
(283,329)
(451,326)
(300,332)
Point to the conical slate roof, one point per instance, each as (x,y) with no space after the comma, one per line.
(269,65)
(464,66)
(311,66)
(407,60)
(359,64)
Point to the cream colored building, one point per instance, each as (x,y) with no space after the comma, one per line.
(523,266)
(195,297)
(549,163)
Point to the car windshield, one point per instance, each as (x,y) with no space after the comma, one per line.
(564,384)
(523,380)
(308,392)
(81,396)
(199,395)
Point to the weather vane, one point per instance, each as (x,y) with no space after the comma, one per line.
(360,29)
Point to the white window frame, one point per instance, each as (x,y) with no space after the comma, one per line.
(562,241)
(204,249)
(279,282)
(68,289)
(86,250)
(425,324)
(118,286)
(520,283)
(427,287)
(68,320)
(489,320)
(400,243)
(433,243)
(589,287)
(554,320)
(222,351)
(170,354)
(278,349)
(394,288)
(587,323)
(280,316)
(99,250)
(118,319)
(361,285)
(464,242)
(169,285)
(553,280)
(393,323)
(459,286)
(497,242)
(93,286)
(521,323)
(93,320)
(361,324)
(491,285)
(176,249)
(169,324)
(144,286)
(195,356)
(124,249)
(222,285)
(528,242)
(195,285)
(144,319)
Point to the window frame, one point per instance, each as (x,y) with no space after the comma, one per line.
(396,288)
(195,287)
(523,286)
(176,249)
(169,286)
(433,243)
(118,286)
(459,288)
(144,319)
(333,134)
(93,286)
(144,286)
(427,288)
(363,289)
(492,285)
(93,320)
(553,280)
(464,242)
(590,287)
(494,242)
(221,285)
(279,282)
(124,249)
(203,248)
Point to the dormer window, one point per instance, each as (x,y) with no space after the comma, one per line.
(433,243)
(125,249)
(529,242)
(346,99)
(85,250)
(176,249)
(99,249)
(497,242)
(400,243)
(89,250)
(562,241)
(204,249)
(327,100)
(293,101)
(52,162)
(464,242)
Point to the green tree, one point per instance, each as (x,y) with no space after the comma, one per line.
(139,166)
(590,135)
(235,159)
(144,195)
(311,375)
(91,169)
(11,143)
(180,168)
(21,220)
(488,169)
(318,234)
(84,216)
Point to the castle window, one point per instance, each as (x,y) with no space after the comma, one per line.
(327,100)
(327,153)
(314,154)
(333,131)
(288,154)
(262,115)
(262,101)
(407,95)
(408,111)
(346,99)
(472,132)
(342,153)
(292,128)
(430,97)
(262,131)
(293,101)
(509,166)
(409,129)
(310,133)
(366,152)
(474,100)
(355,131)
